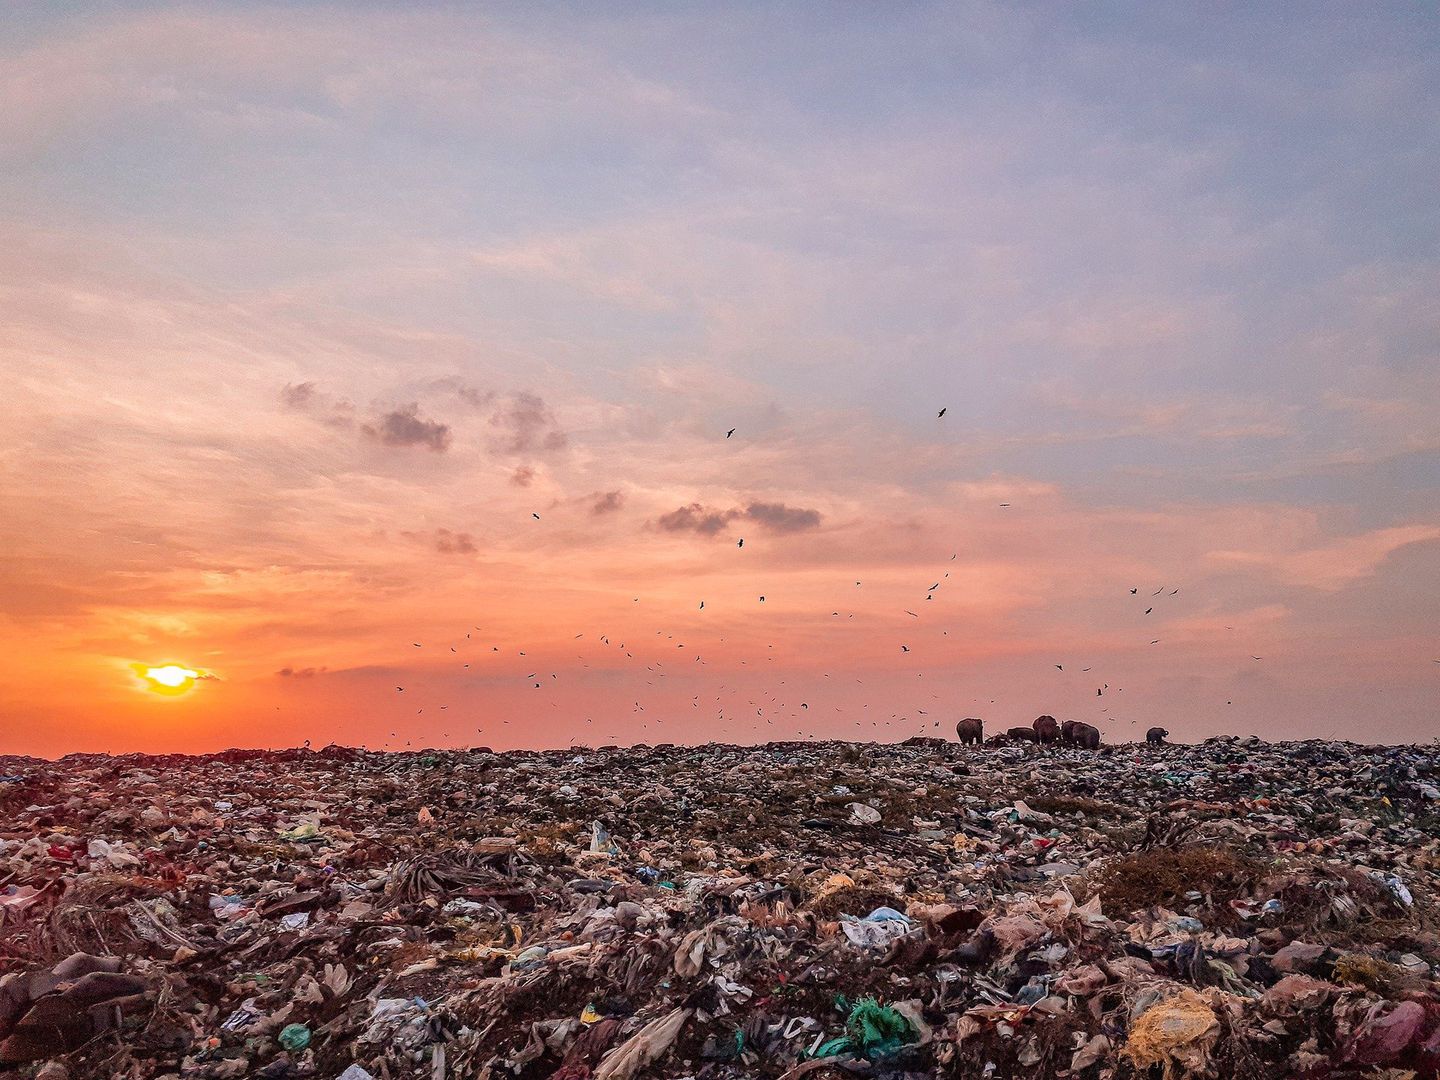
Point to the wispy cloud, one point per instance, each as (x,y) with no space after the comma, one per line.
(525,425)
(277,398)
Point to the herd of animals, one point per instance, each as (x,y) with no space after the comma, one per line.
(1045,730)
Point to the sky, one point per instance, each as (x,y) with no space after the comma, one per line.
(351,348)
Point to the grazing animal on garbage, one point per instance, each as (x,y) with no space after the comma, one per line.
(970,730)
(1022,734)
(1156,735)
(1047,730)
(1086,736)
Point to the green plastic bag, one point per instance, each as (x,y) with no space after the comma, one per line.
(295,1037)
(877,1029)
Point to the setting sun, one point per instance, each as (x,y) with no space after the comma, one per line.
(169,679)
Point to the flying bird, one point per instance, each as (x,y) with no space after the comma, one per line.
(729,433)
(904,648)
(1134,591)
(941,413)
(535,516)
(740,543)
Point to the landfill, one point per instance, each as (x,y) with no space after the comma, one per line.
(1233,908)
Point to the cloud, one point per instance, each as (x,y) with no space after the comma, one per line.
(527,426)
(1333,565)
(697,519)
(454,543)
(445,541)
(706,521)
(607,502)
(307,397)
(524,476)
(298,395)
(301,673)
(471,396)
(781,518)
(1001,488)
(406,427)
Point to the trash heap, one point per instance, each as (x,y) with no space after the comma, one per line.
(1229,909)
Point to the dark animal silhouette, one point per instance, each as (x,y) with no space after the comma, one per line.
(1156,735)
(1047,730)
(970,730)
(1079,733)
(1022,734)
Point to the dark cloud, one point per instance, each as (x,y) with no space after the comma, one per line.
(454,543)
(298,395)
(445,541)
(474,397)
(406,427)
(523,476)
(706,521)
(301,673)
(697,519)
(607,502)
(527,426)
(781,518)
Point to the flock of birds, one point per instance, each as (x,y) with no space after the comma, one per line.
(749,712)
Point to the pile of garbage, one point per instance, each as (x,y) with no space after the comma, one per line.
(1229,909)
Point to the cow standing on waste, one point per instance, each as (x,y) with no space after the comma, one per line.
(1156,735)
(970,730)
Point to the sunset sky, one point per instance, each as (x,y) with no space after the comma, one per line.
(307,310)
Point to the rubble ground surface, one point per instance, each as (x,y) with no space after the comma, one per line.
(825,909)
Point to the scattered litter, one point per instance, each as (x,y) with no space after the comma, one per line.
(1235,908)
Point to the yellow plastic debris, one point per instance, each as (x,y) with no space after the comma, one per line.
(1177,1033)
